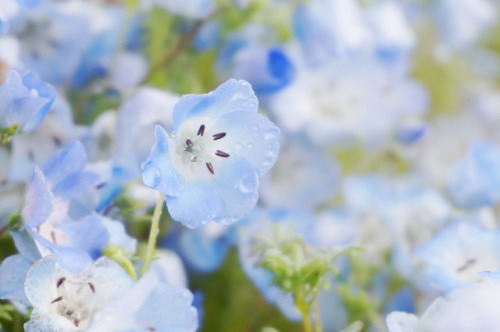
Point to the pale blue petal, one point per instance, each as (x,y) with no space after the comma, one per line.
(12,276)
(39,201)
(237,185)
(199,203)
(65,163)
(44,322)
(230,96)
(40,286)
(72,259)
(168,309)
(158,171)
(251,136)
(25,245)
(87,234)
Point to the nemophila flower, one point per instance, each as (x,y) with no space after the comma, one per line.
(461,23)
(47,212)
(64,301)
(209,167)
(303,176)
(53,37)
(470,308)
(267,69)
(24,100)
(457,254)
(348,99)
(134,139)
(474,181)
(152,304)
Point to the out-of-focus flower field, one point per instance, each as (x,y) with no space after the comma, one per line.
(250,165)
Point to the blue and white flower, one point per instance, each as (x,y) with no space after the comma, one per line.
(209,167)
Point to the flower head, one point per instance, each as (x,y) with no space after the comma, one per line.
(208,168)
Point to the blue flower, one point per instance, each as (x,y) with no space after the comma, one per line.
(64,301)
(474,181)
(457,255)
(24,101)
(209,167)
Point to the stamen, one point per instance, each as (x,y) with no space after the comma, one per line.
(76,322)
(57,299)
(210,167)
(92,287)
(218,136)
(53,236)
(60,282)
(189,143)
(201,130)
(466,265)
(221,154)
(57,141)
(194,158)
(151,329)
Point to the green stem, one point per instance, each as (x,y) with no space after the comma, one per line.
(318,326)
(153,234)
(376,321)
(303,306)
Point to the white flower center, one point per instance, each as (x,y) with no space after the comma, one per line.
(75,301)
(39,37)
(197,150)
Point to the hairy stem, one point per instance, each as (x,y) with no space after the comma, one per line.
(153,234)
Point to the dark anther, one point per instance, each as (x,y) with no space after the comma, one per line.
(151,329)
(201,130)
(57,141)
(76,322)
(92,287)
(221,154)
(31,155)
(60,282)
(466,265)
(53,236)
(57,299)
(218,136)
(189,143)
(210,167)
(100,185)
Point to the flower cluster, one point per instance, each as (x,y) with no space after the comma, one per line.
(324,165)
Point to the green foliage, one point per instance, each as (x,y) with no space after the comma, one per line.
(232,303)
(7,133)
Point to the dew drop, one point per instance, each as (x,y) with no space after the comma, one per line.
(248,183)
(151,175)
(271,134)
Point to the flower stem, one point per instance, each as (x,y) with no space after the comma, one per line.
(318,326)
(153,234)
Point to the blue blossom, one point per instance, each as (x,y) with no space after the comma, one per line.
(24,100)
(457,254)
(303,176)
(46,211)
(151,304)
(64,301)
(474,181)
(467,309)
(266,69)
(209,167)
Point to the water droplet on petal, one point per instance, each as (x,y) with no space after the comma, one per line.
(248,183)
(271,134)
(151,175)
